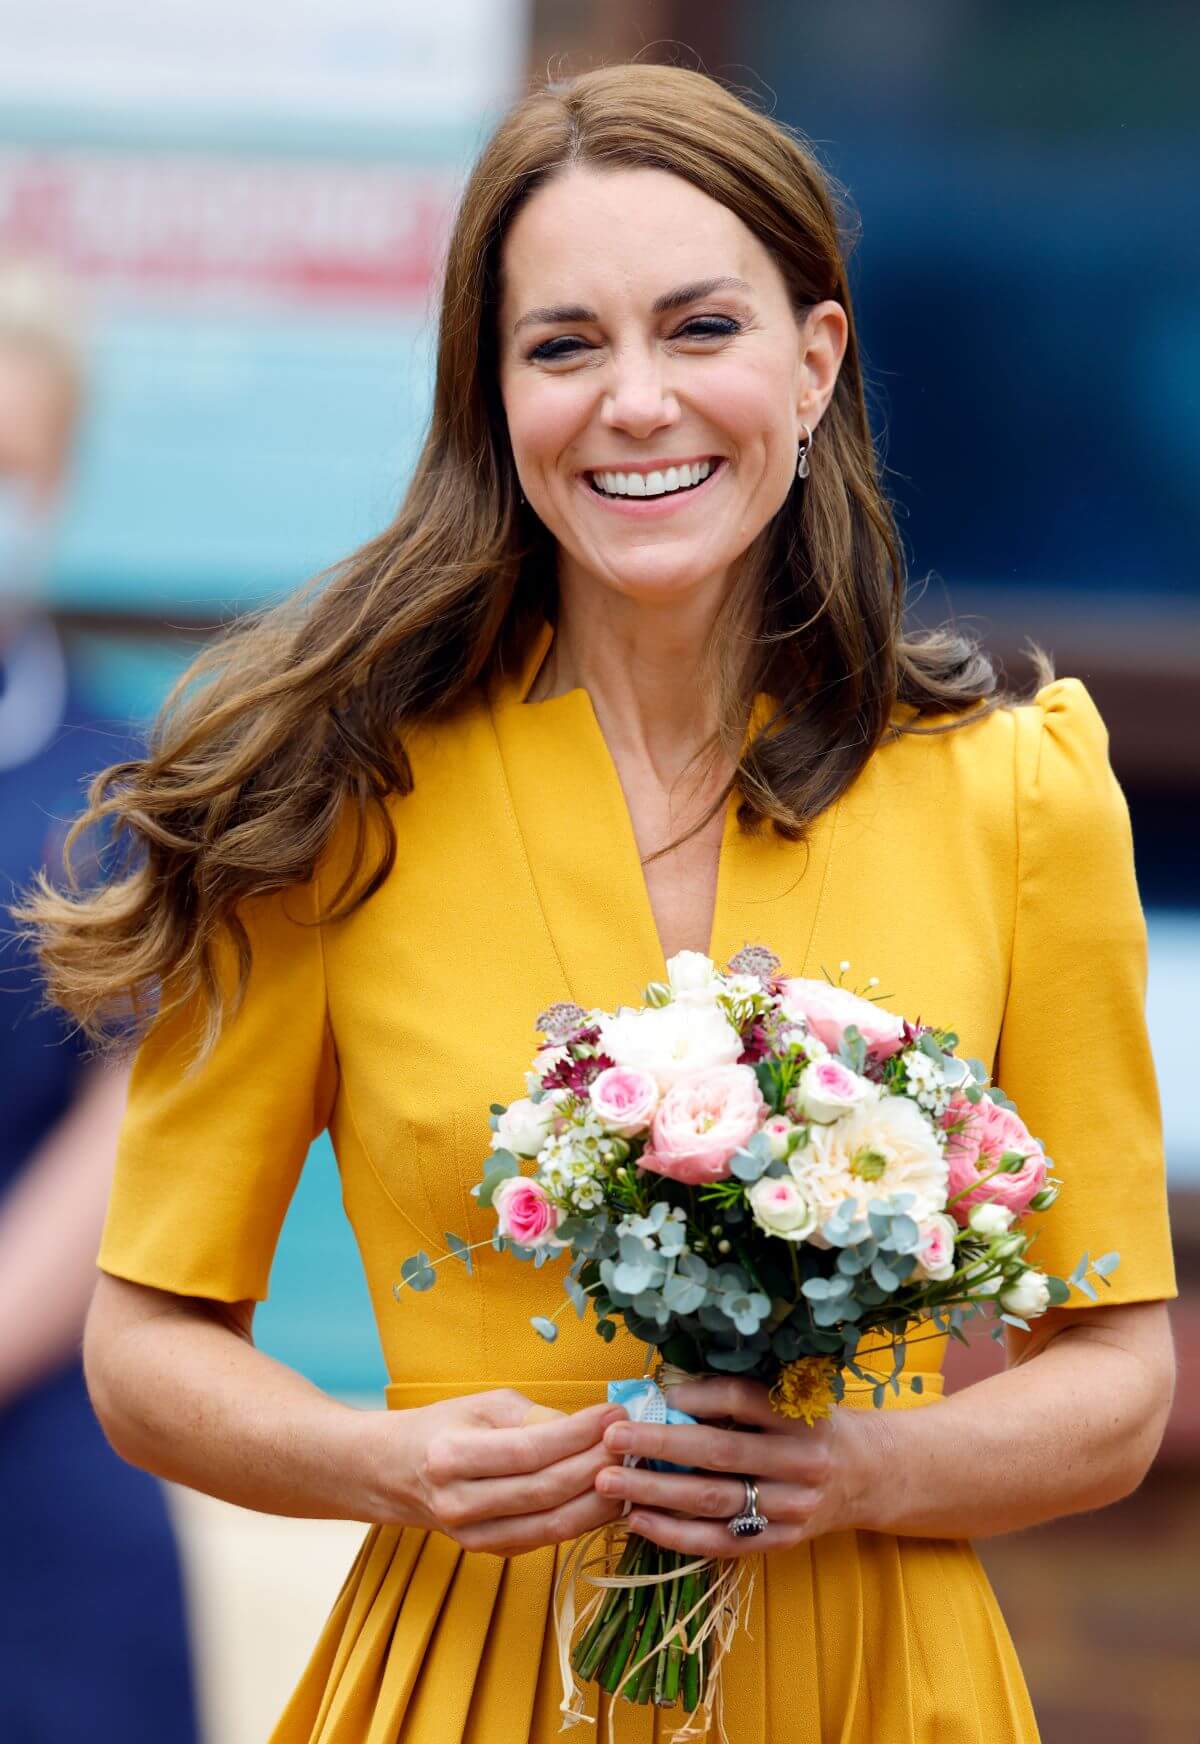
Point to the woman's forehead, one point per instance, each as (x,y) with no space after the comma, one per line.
(629,233)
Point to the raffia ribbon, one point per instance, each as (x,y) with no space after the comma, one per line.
(727,1597)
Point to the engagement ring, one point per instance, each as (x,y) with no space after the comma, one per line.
(749,1523)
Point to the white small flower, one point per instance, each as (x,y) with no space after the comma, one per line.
(693,976)
(1028,1297)
(990,1219)
(524,1127)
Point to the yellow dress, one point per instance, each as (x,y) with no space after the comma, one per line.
(986,876)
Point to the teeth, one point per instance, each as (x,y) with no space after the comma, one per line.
(652,484)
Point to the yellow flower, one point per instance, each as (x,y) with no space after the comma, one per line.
(804,1389)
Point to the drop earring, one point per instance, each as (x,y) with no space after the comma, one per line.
(803,450)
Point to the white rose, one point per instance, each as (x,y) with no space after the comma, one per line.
(671,1040)
(990,1219)
(826,1089)
(1028,1297)
(524,1127)
(780,1208)
(693,977)
(936,1259)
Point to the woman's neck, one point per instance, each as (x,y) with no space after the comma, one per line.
(643,669)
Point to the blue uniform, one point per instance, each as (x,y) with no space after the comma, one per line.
(93,1640)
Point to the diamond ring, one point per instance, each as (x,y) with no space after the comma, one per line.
(749,1523)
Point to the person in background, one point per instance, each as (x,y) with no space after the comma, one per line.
(92,1629)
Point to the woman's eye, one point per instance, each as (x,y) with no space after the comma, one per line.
(699,327)
(709,327)
(551,350)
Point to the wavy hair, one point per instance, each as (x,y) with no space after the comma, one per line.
(296,716)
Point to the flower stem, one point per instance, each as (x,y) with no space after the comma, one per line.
(666,1680)
(641,1687)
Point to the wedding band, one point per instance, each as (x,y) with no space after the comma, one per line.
(749,1523)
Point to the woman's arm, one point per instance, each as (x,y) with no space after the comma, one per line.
(1073,1424)
(50,1222)
(181,1390)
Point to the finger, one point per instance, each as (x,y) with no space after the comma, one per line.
(719,1450)
(726,1396)
(487,1452)
(704,1495)
(702,1538)
(527,1493)
(515,1534)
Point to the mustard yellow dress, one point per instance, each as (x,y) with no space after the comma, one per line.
(986,876)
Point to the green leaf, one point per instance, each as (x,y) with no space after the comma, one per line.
(417,1272)
(577,1293)
(460,1250)
(499,1167)
(544,1328)
(917,1383)
(1060,1291)
(1106,1264)
(607,1330)
(878,1395)
(1015,1320)
(1088,1288)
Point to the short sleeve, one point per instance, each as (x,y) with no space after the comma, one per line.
(1074,1049)
(209,1154)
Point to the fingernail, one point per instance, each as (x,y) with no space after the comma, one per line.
(620,1437)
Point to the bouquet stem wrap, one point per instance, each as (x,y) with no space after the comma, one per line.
(660,1623)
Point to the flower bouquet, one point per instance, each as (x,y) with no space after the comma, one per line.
(751,1173)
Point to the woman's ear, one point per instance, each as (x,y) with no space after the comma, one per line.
(823,340)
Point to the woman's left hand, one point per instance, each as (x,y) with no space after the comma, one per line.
(810,1480)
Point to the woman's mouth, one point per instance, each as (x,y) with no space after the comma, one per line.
(661,484)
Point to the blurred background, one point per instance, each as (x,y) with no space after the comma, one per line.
(242,210)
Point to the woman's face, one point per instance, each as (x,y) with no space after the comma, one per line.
(647,341)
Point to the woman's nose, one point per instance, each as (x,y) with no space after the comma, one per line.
(639,399)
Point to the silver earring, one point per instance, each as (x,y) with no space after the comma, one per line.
(804,449)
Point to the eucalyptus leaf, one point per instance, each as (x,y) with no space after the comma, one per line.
(544,1328)
(460,1250)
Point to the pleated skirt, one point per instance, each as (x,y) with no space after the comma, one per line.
(855,1638)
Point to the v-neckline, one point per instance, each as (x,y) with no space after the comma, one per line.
(558,764)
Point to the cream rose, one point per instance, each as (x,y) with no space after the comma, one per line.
(882,1148)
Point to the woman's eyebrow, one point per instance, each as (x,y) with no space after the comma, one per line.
(676,299)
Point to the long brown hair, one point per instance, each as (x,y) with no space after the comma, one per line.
(297,715)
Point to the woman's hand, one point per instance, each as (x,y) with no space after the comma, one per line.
(809,1480)
(495,1474)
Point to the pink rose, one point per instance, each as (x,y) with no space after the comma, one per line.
(701,1121)
(985,1132)
(525,1212)
(829,1011)
(624,1098)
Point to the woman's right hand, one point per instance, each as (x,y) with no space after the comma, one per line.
(493,1472)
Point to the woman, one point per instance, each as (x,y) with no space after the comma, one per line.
(73,1512)
(616,682)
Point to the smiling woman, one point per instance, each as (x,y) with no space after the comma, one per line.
(626,676)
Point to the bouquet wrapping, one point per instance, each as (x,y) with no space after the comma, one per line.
(759,1175)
